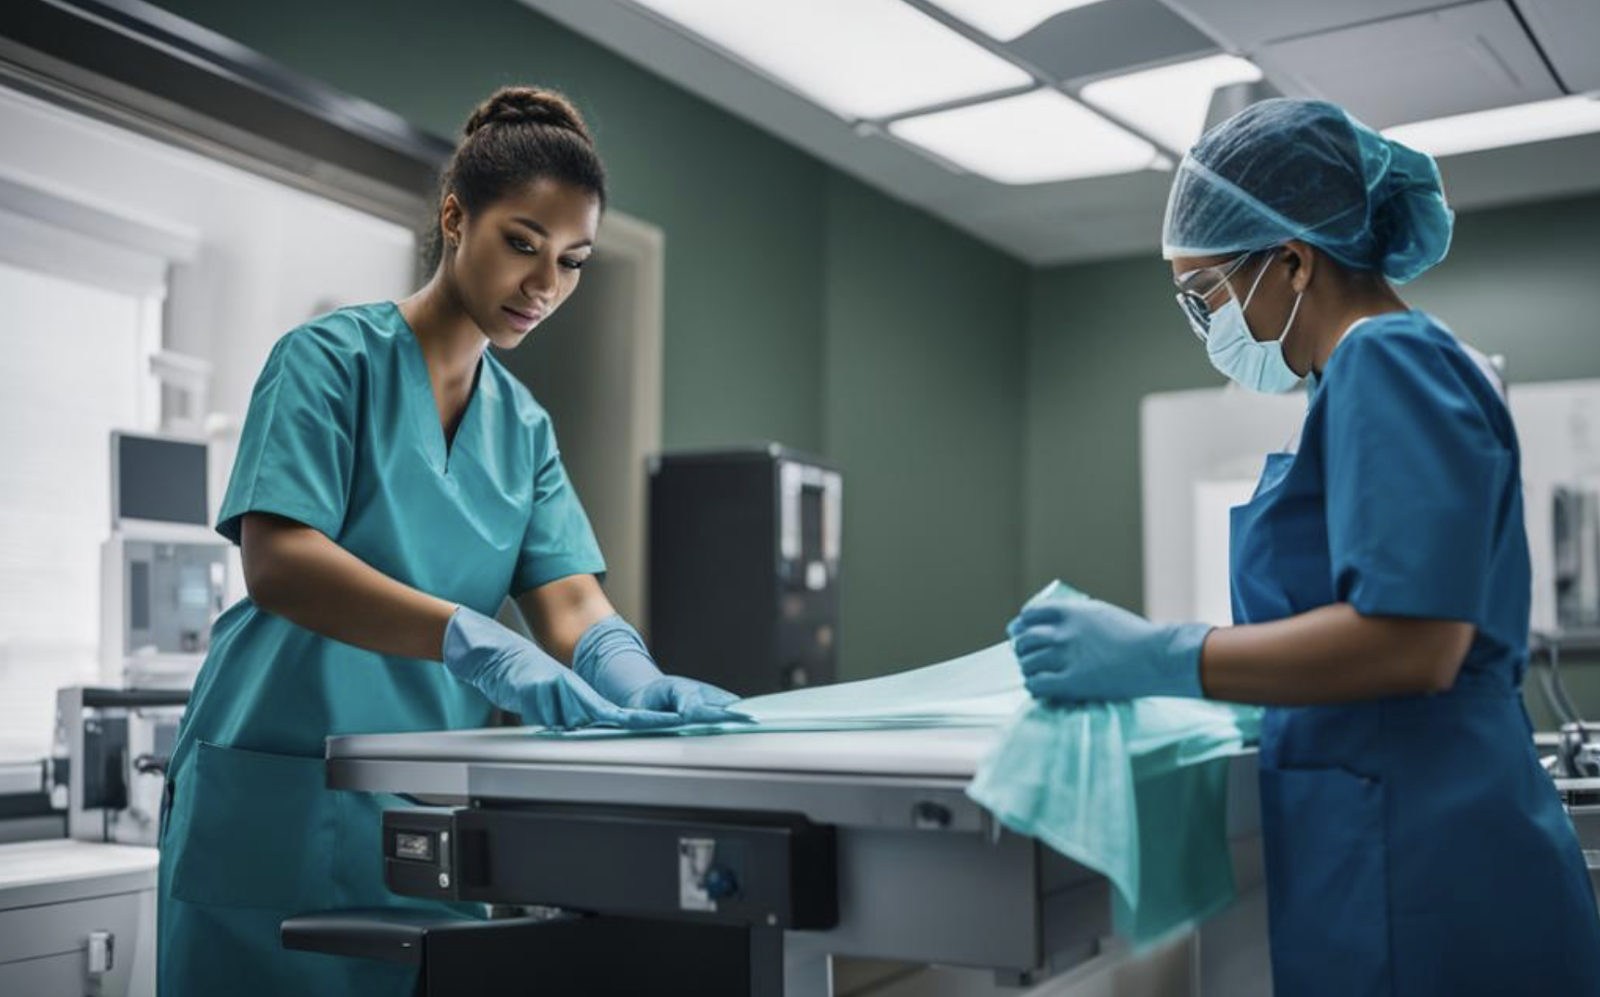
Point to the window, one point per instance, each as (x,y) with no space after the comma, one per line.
(74,362)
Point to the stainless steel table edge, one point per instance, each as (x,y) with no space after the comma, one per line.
(922,802)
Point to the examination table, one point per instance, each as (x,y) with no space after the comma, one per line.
(727,864)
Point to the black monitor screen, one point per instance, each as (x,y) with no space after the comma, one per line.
(161,479)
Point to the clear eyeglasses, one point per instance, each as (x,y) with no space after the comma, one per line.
(1197,287)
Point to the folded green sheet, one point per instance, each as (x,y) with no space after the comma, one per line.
(1136,791)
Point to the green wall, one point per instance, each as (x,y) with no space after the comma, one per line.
(922,371)
(801,306)
(1100,337)
(742,210)
(1523,281)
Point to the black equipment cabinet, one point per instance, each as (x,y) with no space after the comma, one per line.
(744,567)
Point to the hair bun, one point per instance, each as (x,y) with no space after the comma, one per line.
(528,105)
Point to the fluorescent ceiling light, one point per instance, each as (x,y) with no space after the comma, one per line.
(1035,138)
(1515,125)
(858,58)
(1169,104)
(1006,20)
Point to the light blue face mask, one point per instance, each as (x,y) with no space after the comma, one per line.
(1235,352)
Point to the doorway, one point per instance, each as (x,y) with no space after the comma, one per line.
(596,367)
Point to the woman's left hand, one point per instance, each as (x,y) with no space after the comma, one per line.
(1084,649)
(697,702)
(612,657)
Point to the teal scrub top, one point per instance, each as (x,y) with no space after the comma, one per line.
(344,436)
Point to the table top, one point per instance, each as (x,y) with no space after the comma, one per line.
(951,752)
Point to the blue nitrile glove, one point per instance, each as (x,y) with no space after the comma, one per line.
(515,675)
(612,657)
(1084,649)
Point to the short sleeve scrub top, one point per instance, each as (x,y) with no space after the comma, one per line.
(342,435)
(1414,845)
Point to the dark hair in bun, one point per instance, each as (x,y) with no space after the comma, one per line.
(527,105)
(516,136)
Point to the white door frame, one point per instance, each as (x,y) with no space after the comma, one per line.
(643,246)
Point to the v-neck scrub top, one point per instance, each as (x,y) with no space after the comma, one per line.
(1414,845)
(343,435)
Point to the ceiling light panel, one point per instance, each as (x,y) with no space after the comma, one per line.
(857,58)
(1038,137)
(1007,20)
(1169,103)
(1518,124)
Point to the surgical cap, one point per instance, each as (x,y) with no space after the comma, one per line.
(1286,169)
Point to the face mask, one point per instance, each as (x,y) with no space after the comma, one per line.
(1233,351)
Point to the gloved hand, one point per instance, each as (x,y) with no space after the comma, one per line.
(1084,649)
(613,658)
(515,675)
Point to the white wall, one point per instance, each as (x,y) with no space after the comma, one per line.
(1199,450)
(67,352)
(92,214)
(1558,426)
(266,256)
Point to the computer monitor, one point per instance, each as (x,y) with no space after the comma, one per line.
(160,478)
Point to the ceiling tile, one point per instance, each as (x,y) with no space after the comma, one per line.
(1243,26)
(1463,58)
(1569,33)
(1110,37)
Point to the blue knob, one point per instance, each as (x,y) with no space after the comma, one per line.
(720,883)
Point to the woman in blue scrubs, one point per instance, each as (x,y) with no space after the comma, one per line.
(1380,581)
(393,484)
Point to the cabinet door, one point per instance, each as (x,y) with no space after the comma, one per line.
(44,949)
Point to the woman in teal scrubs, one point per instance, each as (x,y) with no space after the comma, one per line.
(393,485)
(1380,578)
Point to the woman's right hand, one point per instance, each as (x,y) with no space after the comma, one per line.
(515,675)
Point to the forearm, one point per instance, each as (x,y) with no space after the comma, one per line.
(1332,654)
(575,623)
(296,572)
(562,611)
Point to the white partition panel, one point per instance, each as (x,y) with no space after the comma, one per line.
(1201,452)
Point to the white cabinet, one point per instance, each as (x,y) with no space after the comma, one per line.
(77,918)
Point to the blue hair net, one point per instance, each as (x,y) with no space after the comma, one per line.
(1288,169)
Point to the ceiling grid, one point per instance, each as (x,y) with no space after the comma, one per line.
(1048,127)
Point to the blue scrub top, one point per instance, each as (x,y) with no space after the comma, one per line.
(1411,457)
(343,435)
(1414,845)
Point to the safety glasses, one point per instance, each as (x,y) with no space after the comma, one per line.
(1196,288)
